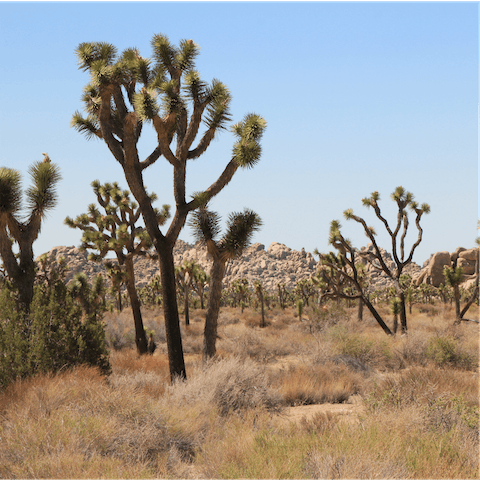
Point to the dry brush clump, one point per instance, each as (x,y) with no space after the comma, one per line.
(317,384)
(230,385)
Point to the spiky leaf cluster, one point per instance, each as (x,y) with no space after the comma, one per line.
(205,225)
(10,191)
(247,150)
(115,230)
(240,229)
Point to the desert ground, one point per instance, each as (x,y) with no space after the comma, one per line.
(325,396)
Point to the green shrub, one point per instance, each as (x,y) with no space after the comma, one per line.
(55,334)
(352,344)
(445,350)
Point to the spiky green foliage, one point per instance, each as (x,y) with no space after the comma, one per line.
(127,91)
(10,190)
(56,333)
(205,225)
(22,226)
(247,150)
(42,195)
(116,231)
(241,227)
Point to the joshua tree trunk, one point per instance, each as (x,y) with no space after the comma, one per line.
(213,308)
(262,306)
(186,306)
(377,317)
(360,310)
(140,336)
(170,309)
(395,323)
(403,312)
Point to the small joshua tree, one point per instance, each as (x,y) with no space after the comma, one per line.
(206,229)
(453,277)
(185,275)
(404,200)
(116,231)
(22,228)
(260,295)
(395,308)
(200,281)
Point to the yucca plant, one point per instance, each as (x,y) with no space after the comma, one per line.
(206,229)
(129,91)
(21,226)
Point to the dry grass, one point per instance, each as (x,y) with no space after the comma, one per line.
(316,384)
(420,420)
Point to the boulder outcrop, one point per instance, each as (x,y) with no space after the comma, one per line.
(276,264)
(432,271)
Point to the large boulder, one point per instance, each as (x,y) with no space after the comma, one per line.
(435,268)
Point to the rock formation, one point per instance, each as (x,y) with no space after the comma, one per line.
(276,264)
(432,273)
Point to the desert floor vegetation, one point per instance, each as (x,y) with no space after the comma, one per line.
(325,397)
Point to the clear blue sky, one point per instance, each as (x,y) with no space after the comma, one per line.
(358,97)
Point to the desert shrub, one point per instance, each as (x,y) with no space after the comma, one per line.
(373,353)
(322,464)
(446,350)
(447,411)
(321,318)
(80,426)
(316,384)
(55,334)
(421,386)
(412,349)
(232,385)
(120,332)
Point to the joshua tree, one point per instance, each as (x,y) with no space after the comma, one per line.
(304,289)
(395,308)
(300,308)
(185,275)
(260,295)
(453,277)
(23,228)
(206,229)
(122,96)
(338,272)
(116,231)
(404,200)
(282,294)
(240,292)
(200,281)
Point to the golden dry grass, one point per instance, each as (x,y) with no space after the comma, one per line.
(420,396)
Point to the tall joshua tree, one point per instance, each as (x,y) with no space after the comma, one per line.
(206,229)
(22,228)
(404,200)
(122,96)
(116,231)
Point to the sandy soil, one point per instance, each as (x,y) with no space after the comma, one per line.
(348,412)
